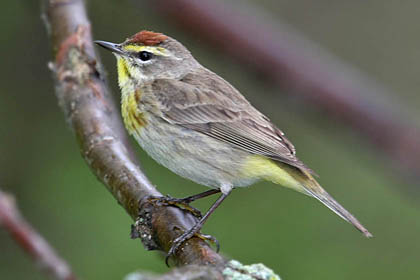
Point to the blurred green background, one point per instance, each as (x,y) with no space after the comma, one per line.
(294,235)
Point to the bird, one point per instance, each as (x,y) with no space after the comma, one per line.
(196,124)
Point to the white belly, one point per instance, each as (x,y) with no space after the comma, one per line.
(193,155)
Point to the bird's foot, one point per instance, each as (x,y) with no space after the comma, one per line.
(182,203)
(193,232)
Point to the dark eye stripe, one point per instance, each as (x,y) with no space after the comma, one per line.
(145,56)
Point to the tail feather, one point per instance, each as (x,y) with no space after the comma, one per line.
(326,199)
(311,187)
(301,180)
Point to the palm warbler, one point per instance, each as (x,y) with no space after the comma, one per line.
(195,123)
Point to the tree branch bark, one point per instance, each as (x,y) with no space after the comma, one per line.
(31,241)
(83,95)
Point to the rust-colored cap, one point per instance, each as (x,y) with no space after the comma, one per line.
(147,38)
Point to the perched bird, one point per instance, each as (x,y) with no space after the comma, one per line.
(199,126)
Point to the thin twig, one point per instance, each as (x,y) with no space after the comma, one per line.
(31,241)
(304,69)
(91,112)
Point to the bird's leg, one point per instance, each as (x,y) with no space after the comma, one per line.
(183,203)
(192,198)
(195,230)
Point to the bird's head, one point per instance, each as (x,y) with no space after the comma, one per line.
(147,55)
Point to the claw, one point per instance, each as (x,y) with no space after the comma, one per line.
(178,202)
(178,242)
(186,236)
(211,239)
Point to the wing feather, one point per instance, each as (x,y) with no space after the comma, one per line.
(206,103)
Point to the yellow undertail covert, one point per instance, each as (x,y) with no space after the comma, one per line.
(265,168)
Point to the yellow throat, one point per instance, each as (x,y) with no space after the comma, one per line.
(133,118)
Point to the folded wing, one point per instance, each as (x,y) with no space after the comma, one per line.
(206,103)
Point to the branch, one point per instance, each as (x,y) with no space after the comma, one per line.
(306,70)
(234,271)
(91,112)
(31,241)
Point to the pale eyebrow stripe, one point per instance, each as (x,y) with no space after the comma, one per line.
(154,50)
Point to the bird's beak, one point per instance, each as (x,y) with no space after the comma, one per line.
(115,48)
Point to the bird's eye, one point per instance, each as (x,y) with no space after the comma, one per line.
(145,56)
